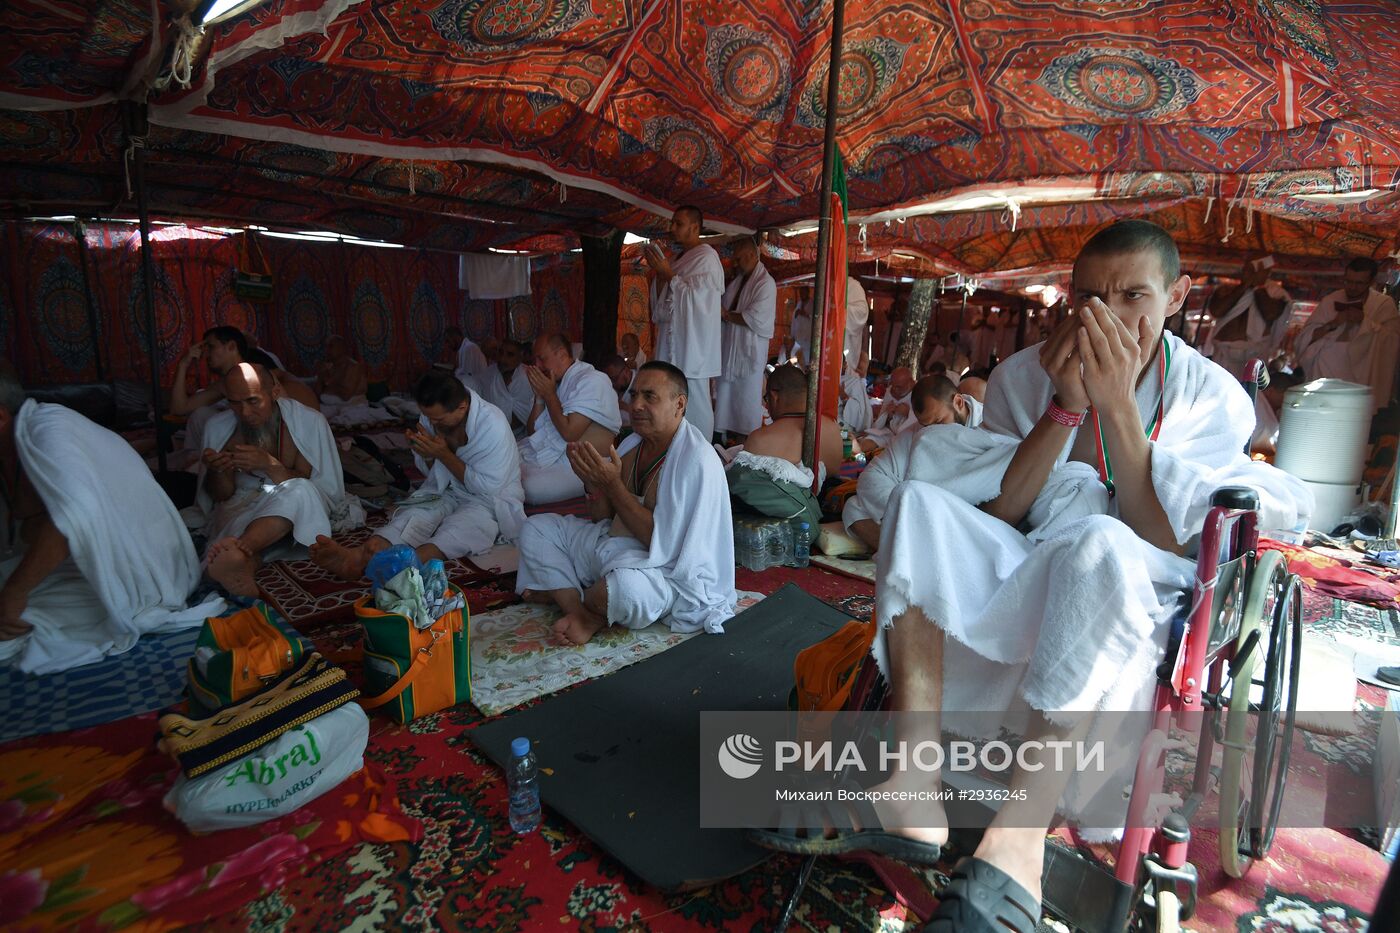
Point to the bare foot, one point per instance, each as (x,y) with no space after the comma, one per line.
(345,562)
(576,628)
(922,821)
(530,596)
(1018,852)
(218,547)
(234,568)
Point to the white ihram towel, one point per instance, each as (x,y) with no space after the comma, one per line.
(692,540)
(132,565)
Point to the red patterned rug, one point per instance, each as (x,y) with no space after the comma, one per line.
(470,872)
(309,597)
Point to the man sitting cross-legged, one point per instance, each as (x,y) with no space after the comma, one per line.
(768,476)
(936,401)
(270,470)
(472,497)
(661,540)
(574,402)
(896,412)
(94,553)
(1021,572)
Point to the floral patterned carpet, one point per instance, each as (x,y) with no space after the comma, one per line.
(463,869)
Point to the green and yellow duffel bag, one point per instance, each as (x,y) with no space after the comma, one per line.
(412,672)
(240,653)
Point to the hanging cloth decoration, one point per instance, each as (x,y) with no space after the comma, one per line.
(1154,427)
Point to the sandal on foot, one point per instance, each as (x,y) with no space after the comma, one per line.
(803,833)
(981,898)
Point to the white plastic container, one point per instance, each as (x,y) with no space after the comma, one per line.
(1322,440)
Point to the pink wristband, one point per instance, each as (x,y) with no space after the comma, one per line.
(1063,416)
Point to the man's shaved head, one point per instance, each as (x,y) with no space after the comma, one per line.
(901,381)
(251,392)
(788,382)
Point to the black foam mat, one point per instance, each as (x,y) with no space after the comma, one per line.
(622,751)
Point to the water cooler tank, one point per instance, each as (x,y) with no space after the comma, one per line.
(1322,440)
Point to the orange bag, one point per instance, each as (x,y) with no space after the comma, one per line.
(826,671)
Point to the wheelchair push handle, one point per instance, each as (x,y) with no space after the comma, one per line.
(1238,498)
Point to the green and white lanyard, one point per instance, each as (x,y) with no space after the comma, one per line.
(1154,427)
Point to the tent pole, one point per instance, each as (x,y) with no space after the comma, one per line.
(148,277)
(833,85)
(80,234)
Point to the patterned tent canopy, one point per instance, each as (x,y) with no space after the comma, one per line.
(424,121)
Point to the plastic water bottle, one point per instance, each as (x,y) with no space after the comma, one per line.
(524,784)
(801,554)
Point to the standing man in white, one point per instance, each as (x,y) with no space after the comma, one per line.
(685,306)
(857,314)
(750,309)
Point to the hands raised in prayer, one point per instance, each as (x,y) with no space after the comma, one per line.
(1113,356)
(193,353)
(540,382)
(892,409)
(596,471)
(1060,357)
(428,446)
(658,261)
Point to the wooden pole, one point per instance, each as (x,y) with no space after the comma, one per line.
(833,84)
(94,327)
(916,318)
(136,134)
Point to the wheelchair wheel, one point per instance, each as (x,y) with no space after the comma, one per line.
(1253,770)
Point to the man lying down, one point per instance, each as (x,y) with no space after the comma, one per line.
(1042,575)
(661,542)
(270,475)
(472,496)
(96,555)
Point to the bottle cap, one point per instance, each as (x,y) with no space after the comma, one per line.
(520,747)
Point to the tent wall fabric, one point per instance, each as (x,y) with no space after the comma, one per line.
(393,304)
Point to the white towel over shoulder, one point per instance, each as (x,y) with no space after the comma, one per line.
(692,540)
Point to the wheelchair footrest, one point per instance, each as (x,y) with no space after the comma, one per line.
(1084,894)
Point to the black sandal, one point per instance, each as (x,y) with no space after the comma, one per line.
(981,898)
(807,835)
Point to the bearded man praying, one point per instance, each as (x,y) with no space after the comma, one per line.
(270,471)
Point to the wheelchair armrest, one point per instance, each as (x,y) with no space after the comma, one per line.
(1241,498)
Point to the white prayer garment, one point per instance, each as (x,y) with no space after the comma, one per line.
(195,422)
(801,335)
(857,314)
(884,473)
(686,311)
(466,516)
(739,391)
(1363,353)
(1263,339)
(688,570)
(471,364)
(514,398)
(855,411)
(545,468)
(1072,617)
(884,427)
(315,506)
(131,566)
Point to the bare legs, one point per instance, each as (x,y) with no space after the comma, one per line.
(234,562)
(1015,840)
(348,563)
(584,616)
